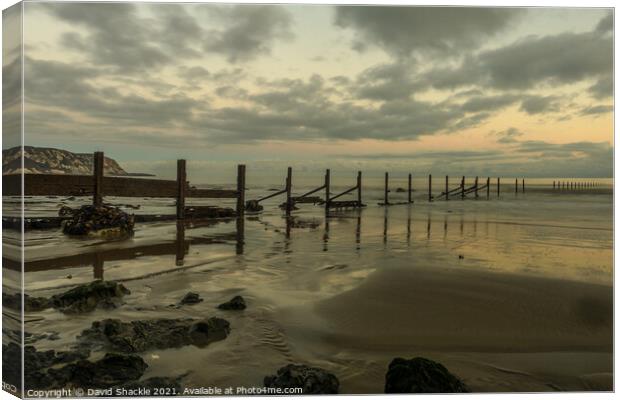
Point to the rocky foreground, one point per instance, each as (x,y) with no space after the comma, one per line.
(122,344)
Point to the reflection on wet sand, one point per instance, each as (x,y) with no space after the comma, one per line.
(97,258)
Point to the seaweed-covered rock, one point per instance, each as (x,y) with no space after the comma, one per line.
(421,375)
(105,220)
(191,298)
(142,335)
(86,298)
(311,380)
(253,206)
(236,303)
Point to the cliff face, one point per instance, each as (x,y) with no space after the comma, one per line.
(43,160)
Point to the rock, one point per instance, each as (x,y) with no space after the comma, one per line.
(86,298)
(142,335)
(311,380)
(31,304)
(236,303)
(65,211)
(37,365)
(105,220)
(113,369)
(420,375)
(253,206)
(209,212)
(400,190)
(461,257)
(190,298)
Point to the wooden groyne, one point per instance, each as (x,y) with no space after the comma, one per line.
(99,186)
(569,186)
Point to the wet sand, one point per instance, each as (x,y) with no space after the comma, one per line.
(528,307)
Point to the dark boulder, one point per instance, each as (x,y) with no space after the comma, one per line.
(105,220)
(113,369)
(31,304)
(236,303)
(420,375)
(191,298)
(400,190)
(311,380)
(86,298)
(142,335)
(37,365)
(253,206)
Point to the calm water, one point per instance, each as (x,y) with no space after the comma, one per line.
(303,284)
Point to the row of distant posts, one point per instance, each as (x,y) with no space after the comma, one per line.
(461,190)
(563,185)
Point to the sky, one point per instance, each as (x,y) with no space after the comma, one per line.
(474,91)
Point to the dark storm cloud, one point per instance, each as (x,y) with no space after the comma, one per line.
(489,103)
(540,104)
(60,85)
(116,35)
(565,58)
(385,82)
(406,30)
(599,109)
(603,88)
(510,135)
(121,37)
(250,31)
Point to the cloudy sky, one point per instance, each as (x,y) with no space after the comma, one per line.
(445,90)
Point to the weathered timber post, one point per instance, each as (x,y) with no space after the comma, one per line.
(498,186)
(327,194)
(98,178)
(240,190)
(522,185)
(409,189)
(385,190)
(553,185)
(359,188)
(516,186)
(181,184)
(462,188)
(430,187)
(476,187)
(180,243)
(289,184)
(446,190)
(488,187)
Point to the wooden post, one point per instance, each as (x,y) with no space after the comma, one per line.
(476,187)
(385,190)
(181,183)
(497,186)
(430,185)
(462,188)
(522,185)
(409,189)
(98,178)
(516,186)
(289,184)
(488,187)
(553,185)
(446,190)
(327,194)
(359,188)
(240,190)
